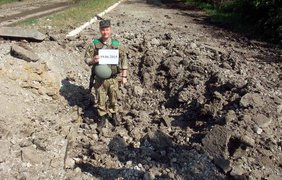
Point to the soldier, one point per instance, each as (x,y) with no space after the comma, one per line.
(106,76)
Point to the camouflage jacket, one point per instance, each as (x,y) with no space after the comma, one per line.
(95,45)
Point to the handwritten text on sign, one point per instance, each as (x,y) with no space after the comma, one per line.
(108,56)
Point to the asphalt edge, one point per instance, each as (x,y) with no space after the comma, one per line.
(94,19)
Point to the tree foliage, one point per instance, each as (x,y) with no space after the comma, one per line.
(265,15)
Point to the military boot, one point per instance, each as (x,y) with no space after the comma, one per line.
(101,123)
(115,119)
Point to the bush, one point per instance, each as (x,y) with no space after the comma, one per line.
(264,15)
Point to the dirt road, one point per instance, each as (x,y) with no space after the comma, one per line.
(201,103)
(14,12)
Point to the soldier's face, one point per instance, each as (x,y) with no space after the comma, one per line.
(106,32)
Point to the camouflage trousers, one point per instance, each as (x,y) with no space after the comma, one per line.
(106,94)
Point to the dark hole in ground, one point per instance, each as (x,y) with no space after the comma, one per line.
(233,145)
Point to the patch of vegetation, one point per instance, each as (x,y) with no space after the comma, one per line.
(7,1)
(81,12)
(256,18)
(31,22)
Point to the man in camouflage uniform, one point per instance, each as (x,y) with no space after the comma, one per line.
(106,89)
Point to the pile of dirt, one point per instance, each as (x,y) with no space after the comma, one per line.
(189,95)
(201,103)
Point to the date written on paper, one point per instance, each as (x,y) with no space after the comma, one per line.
(108,56)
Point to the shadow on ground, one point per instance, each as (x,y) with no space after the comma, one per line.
(79,96)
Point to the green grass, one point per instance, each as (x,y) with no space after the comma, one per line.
(229,15)
(7,1)
(73,16)
(224,11)
(31,22)
(225,14)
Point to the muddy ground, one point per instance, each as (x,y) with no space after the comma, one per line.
(201,103)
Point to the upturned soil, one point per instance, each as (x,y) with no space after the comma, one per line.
(201,102)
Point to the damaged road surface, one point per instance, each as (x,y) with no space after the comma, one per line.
(21,33)
(201,103)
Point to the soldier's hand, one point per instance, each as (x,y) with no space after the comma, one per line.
(96,59)
(123,80)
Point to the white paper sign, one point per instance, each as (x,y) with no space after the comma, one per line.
(108,56)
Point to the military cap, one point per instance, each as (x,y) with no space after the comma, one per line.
(105,23)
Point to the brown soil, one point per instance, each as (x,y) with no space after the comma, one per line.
(202,102)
